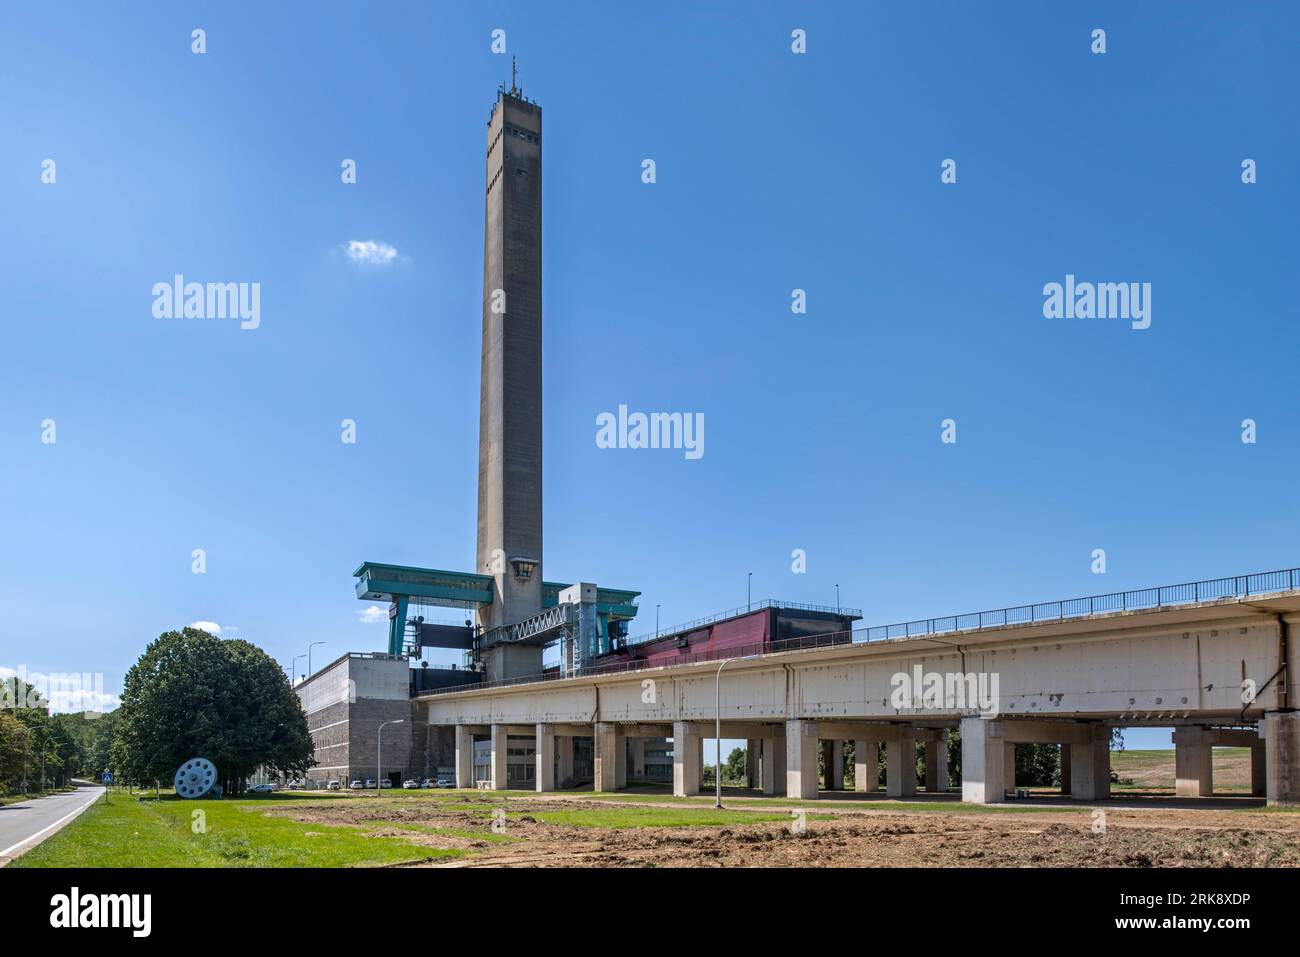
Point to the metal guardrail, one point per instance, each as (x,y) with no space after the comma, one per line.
(1142,599)
(741,610)
(1242,586)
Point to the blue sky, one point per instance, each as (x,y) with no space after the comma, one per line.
(775,171)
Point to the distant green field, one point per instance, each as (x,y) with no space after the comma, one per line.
(1153,769)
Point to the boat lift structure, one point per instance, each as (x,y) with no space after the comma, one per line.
(584,619)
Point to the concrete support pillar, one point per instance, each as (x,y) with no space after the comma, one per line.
(801,759)
(1193,764)
(1065,769)
(767,776)
(638,759)
(499,738)
(564,765)
(1258,770)
(779,756)
(1282,757)
(1090,766)
(751,762)
(544,773)
(609,762)
(982,758)
(866,765)
(1008,768)
(900,764)
(464,757)
(835,765)
(687,757)
(936,763)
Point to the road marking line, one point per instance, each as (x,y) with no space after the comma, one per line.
(6,855)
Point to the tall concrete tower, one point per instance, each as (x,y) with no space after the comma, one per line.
(510,405)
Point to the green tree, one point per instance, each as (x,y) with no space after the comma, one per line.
(99,746)
(48,748)
(14,744)
(1038,765)
(194,695)
(733,772)
(84,742)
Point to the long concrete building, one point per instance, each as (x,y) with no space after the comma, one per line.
(1215,669)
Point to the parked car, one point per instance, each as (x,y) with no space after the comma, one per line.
(410,783)
(446,780)
(356,785)
(261,789)
(333,786)
(370,782)
(386,783)
(426,783)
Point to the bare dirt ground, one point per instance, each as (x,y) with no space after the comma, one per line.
(1154,836)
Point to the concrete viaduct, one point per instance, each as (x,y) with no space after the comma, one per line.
(1214,670)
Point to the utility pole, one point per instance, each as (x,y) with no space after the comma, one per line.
(44,741)
(717,729)
(379,755)
(315,643)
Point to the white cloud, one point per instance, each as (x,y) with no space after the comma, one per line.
(372,614)
(370,252)
(211,627)
(70,692)
(78,700)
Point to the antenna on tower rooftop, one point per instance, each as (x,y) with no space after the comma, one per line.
(514,72)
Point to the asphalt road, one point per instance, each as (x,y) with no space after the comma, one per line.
(27,823)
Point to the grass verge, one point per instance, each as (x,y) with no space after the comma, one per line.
(175,833)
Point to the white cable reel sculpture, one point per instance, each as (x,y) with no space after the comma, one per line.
(197,778)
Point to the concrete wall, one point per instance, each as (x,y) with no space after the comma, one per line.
(1130,668)
(345,702)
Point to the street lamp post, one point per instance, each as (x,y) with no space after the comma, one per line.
(315,643)
(294,668)
(717,729)
(657,621)
(837,599)
(379,755)
(749,591)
